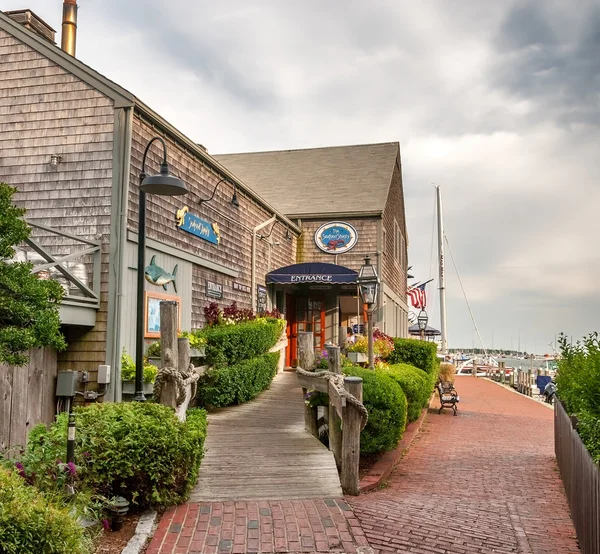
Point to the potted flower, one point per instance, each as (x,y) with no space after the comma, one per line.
(128,375)
(153,353)
(197,344)
(357,351)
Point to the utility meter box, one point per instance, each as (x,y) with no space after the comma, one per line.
(103,374)
(66,382)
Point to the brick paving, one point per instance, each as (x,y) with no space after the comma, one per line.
(482,482)
(266,526)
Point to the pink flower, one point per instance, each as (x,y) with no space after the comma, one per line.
(72,468)
(105,524)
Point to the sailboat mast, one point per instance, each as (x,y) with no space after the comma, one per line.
(442,272)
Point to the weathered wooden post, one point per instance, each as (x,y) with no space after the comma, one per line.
(351,438)
(474,370)
(501,367)
(306,360)
(183,364)
(169,352)
(334,421)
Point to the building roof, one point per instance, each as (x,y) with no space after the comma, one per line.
(124,99)
(337,179)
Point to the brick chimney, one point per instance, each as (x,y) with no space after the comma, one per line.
(34,23)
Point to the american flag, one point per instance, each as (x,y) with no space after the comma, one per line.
(417,296)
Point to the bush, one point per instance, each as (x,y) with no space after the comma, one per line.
(386,404)
(29,523)
(232,344)
(137,450)
(237,383)
(128,369)
(588,427)
(418,353)
(416,385)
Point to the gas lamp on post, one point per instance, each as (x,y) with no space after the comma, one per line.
(368,286)
(422,322)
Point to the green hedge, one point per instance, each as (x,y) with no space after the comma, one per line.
(418,353)
(237,383)
(386,404)
(29,523)
(137,450)
(232,344)
(416,385)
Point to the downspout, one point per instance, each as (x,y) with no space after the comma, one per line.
(253,258)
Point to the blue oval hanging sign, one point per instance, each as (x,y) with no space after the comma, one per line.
(336,237)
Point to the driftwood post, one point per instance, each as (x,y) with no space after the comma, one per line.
(306,359)
(351,438)
(334,422)
(169,353)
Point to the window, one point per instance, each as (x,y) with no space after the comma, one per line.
(399,244)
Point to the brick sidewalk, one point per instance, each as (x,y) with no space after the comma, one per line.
(267,526)
(482,482)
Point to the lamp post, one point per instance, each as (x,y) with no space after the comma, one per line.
(163,184)
(368,286)
(422,321)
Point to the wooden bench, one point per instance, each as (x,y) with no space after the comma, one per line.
(448,396)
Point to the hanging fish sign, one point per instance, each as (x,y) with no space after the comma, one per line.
(157,276)
(336,237)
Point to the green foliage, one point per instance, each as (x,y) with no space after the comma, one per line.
(588,427)
(128,369)
(154,350)
(578,378)
(196,341)
(386,404)
(237,383)
(30,523)
(29,307)
(418,353)
(137,450)
(231,344)
(416,385)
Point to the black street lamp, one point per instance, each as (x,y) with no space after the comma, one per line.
(422,321)
(368,286)
(234,199)
(163,184)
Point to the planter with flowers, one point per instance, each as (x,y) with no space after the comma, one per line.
(358,351)
(128,375)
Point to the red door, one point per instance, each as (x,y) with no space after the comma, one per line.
(304,314)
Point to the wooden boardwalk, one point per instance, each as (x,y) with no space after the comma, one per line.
(260,450)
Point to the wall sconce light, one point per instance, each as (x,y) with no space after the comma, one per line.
(234,199)
(54,161)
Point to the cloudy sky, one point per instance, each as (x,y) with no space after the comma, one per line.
(497,102)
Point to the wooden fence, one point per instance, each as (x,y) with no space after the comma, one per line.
(26,396)
(581,477)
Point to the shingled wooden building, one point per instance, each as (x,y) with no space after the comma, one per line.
(72,143)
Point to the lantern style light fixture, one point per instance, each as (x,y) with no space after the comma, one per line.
(422,320)
(163,184)
(368,287)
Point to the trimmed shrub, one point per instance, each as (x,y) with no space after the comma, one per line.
(29,523)
(386,404)
(137,450)
(418,353)
(231,344)
(237,383)
(416,385)
(588,427)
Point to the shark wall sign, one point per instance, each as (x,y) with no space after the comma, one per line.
(157,276)
(196,226)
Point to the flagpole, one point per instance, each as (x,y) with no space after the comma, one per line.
(442,272)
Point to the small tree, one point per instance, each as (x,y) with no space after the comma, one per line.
(28,306)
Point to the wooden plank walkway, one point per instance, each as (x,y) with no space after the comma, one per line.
(260,450)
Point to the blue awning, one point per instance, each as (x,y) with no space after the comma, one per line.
(315,272)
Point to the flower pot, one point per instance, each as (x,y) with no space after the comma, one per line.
(358,357)
(199,352)
(128,387)
(154,361)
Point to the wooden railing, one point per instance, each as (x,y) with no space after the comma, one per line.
(347,415)
(85,295)
(581,477)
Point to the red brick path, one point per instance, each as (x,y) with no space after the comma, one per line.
(482,482)
(266,526)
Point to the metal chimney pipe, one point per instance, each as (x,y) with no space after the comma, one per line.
(69,27)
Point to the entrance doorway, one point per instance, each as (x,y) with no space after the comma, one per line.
(304,314)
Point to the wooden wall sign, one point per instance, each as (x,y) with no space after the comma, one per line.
(196,226)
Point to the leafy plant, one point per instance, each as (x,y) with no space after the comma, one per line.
(196,341)
(137,450)
(29,522)
(588,427)
(361,344)
(128,369)
(29,307)
(386,404)
(416,385)
(237,383)
(417,353)
(153,350)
